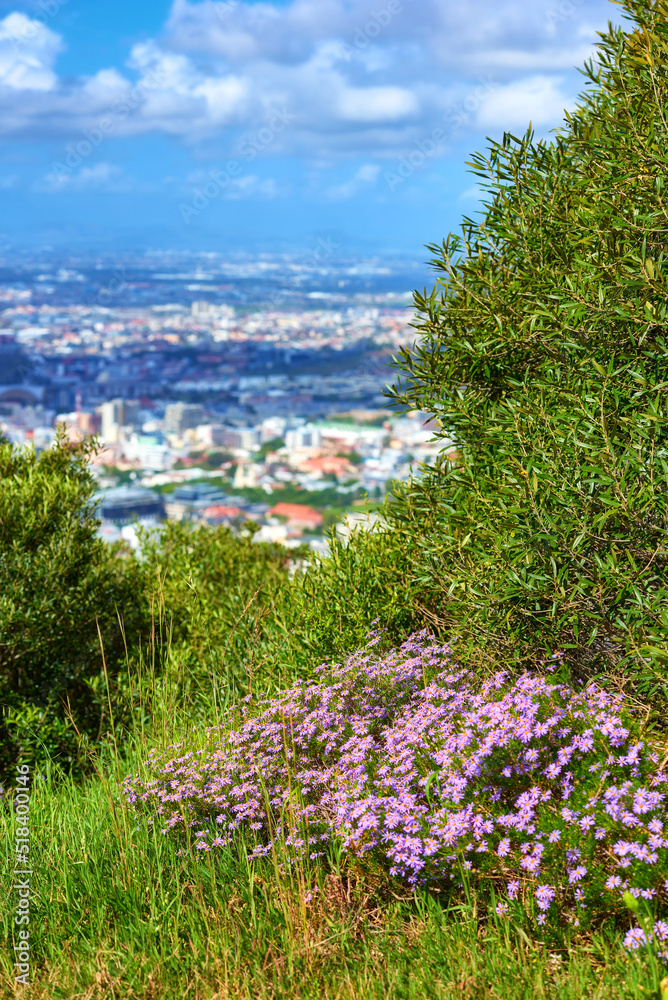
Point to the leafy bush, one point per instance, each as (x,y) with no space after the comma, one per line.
(63,595)
(543,354)
(209,614)
(540,789)
(217,602)
(248,617)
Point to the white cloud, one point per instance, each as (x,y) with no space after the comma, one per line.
(365,176)
(214,184)
(474,193)
(28,51)
(376,104)
(352,80)
(97,177)
(538,100)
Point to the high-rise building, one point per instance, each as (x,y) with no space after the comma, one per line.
(180,417)
(201,308)
(249,438)
(118,413)
(303,437)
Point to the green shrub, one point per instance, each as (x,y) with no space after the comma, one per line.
(215,599)
(233,616)
(63,595)
(543,354)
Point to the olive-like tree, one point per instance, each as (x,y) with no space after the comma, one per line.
(543,354)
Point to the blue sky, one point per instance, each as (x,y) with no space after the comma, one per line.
(227,124)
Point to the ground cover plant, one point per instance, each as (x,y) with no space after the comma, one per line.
(118,914)
(540,791)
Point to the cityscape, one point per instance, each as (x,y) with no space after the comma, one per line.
(247,391)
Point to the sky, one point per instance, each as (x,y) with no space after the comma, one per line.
(233,124)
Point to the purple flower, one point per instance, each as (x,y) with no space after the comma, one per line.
(544,895)
(370,756)
(635,938)
(661,930)
(513,889)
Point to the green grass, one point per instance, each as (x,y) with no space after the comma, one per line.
(121,911)
(118,913)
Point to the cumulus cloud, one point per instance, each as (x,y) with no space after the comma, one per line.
(538,99)
(349,78)
(219,184)
(28,50)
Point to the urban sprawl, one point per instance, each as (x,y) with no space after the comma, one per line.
(215,399)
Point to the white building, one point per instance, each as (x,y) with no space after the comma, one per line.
(299,438)
(117,414)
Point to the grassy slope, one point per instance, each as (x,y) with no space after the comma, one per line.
(117,913)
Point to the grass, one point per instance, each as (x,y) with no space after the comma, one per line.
(121,911)
(118,913)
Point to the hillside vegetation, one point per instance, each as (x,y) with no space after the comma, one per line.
(534,571)
(544,354)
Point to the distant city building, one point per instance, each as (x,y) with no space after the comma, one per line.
(180,417)
(193,498)
(328,465)
(192,493)
(273,427)
(211,434)
(202,308)
(298,515)
(150,451)
(246,476)
(222,514)
(303,437)
(123,504)
(116,414)
(248,438)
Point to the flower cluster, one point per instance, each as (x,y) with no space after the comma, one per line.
(535,787)
(637,938)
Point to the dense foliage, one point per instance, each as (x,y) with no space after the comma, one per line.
(208,614)
(240,617)
(530,786)
(62,599)
(543,353)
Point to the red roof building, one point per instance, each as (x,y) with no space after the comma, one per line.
(219,513)
(327,464)
(298,515)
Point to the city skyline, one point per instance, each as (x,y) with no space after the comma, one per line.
(235,125)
